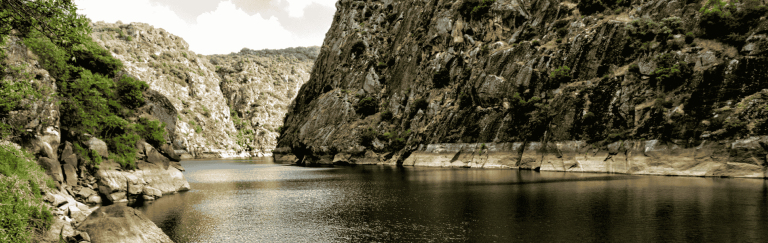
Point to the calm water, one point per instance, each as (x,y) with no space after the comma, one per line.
(257,200)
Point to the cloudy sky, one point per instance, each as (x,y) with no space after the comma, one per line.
(221,27)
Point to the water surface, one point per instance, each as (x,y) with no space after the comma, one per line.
(258,200)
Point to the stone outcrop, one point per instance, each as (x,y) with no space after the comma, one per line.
(118,223)
(230,107)
(259,86)
(535,75)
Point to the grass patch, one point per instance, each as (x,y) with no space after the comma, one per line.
(24,215)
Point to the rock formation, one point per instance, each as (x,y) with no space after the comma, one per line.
(119,223)
(231,106)
(653,87)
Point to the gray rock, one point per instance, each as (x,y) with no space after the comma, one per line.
(85,192)
(118,223)
(151,191)
(60,227)
(167,150)
(70,174)
(68,150)
(117,197)
(52,168)
(155,157)
(94,199)
(135,188)
(98,145)
(70,160)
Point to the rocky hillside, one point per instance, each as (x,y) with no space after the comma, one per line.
(81,171)
(230,106)
(258,87)
(638,87)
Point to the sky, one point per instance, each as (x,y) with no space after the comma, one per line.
(222,27)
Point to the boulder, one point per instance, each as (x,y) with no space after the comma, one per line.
(117,197)
(94,199)
(151,191)
(70,174)
(168,151)
(67,151)
(98,145)
(52,168)
(85,192)
(158,159)
(177,165)
(119,223)
(70,160)
(59,227)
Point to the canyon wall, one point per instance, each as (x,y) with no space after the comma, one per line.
(228,105)
(638,87)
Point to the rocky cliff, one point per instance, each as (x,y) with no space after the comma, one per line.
(230,106)
(258,87)
(83,169)
(637,87)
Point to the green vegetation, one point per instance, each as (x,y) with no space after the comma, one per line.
(561,74)
(386,115)
(368,135)
(481,8)
(22,210)
(367,106)
(670,72)
(723,21)
(95,99)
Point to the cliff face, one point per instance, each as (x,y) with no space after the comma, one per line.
(258,87)
(663,87)
(230,106)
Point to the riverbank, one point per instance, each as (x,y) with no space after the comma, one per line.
(732,158)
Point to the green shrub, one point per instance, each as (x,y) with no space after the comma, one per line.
(476,8)
(368,135)
(24,214)
(386,115)
(724,21)
(689,37)
(15,90)
(561,74)
(367,106)
(669,71)
(131,91)
(152,131)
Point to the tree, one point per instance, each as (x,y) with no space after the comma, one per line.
(55,19)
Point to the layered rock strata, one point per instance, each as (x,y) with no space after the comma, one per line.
(399,77)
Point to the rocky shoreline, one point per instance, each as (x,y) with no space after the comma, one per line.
(744,158)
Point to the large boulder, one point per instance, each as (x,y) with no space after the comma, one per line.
(67,151)
(119,223)
(155,157)
(70,174)
(168,151)
(70,160)
(52,168)
(98,145)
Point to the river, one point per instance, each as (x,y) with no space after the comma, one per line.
(258,200)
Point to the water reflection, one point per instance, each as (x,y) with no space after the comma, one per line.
(257,200)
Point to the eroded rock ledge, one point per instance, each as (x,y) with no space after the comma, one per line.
(734,158)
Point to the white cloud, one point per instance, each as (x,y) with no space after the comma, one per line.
(296,7)
(226,29)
